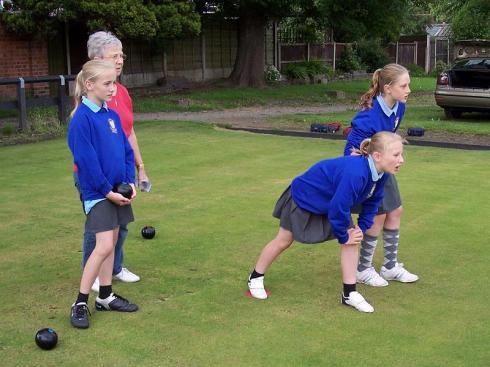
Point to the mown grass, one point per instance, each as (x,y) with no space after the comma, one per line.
(287,95)
(213,193)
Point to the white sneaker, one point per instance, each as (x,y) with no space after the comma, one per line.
(370,277)
(398,273)
(126,276)
(95,286)
(256,287)
(357,301)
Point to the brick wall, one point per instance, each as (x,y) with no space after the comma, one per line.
(22,58)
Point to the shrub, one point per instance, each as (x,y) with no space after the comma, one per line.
(307,70)
(44,120)
(271,73)
(415,70)
(295,71)
(439,68)
(371,54)
(314,68)
(8,129)
(349,60)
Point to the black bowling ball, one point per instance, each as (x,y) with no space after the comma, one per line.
(46,338)
(148,232)
(124,189)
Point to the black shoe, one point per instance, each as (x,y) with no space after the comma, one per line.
(79,315)
(115,303)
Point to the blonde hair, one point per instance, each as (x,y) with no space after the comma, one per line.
(388,74)
(90,71)
(379,142)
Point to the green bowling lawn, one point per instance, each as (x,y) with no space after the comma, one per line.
(213,193)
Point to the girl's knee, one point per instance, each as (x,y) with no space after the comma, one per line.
(103,250)
(395,214)
(284,239)
(283,245)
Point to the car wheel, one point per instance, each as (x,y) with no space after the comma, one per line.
(452,114)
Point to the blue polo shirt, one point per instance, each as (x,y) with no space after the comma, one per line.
(100,150)
(333,187)
(373,120)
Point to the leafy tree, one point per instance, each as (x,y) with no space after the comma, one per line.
(472,21)
(417,18)
(442,10)
(351,20)
(468,18)
(252,20)
(176,19)
(126,18)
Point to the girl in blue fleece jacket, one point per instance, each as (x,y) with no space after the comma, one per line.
(383,107)
(317,207)
(104,159)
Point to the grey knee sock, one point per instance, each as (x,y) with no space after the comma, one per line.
(368,246)
(391,238)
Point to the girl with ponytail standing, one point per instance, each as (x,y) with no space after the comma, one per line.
(104,159)
(383,107)
(316,207)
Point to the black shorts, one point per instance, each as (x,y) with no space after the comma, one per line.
(105,216)
(306,227)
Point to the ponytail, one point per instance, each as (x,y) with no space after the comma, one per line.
(381,77)
(379,142)
(79,92)
(367,98)
(90,71)
(364,148)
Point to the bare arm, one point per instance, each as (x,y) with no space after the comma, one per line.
(138,160)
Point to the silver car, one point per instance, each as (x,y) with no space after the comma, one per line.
(466,86)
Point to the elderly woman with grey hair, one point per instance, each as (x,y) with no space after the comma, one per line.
(105,46)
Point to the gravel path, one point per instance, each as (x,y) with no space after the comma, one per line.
(256,118)
(249,116)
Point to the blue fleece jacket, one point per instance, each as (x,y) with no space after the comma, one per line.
(333,187)
(371,121)
(100,150)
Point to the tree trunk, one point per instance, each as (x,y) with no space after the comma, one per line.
(248,70)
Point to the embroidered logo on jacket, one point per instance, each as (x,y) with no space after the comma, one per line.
(112,124)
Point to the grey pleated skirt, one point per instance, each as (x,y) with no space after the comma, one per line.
(106,216)
(392,198)
(306,227)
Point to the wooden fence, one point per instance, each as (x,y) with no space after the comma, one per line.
(211,55)
(329,53)
(424,54)
(22,103)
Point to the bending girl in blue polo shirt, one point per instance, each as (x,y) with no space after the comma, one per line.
(383,107)
(104,159)
(317,207)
